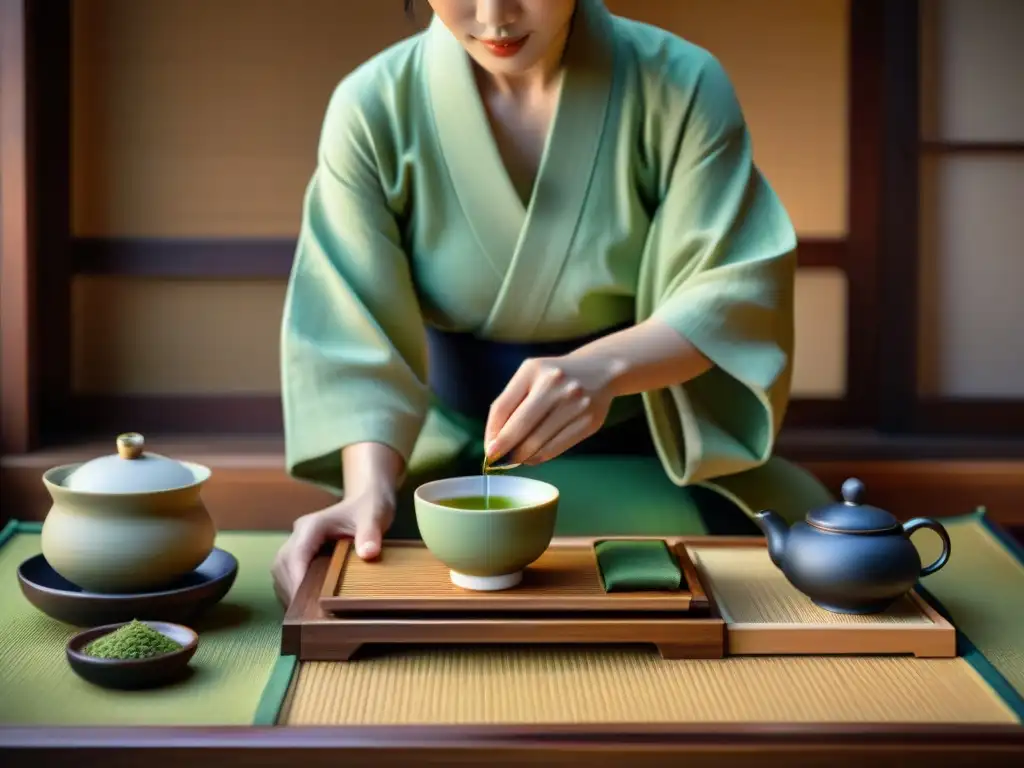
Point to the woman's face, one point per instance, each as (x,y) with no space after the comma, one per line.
(507,36)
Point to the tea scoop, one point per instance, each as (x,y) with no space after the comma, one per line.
(498,466)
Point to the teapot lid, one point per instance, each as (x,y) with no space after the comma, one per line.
(130,470)
(851,516)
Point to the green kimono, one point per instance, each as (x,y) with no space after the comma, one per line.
(647,203)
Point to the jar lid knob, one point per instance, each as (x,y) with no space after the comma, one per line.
(129,445)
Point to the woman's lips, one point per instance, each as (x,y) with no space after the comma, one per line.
(505,48)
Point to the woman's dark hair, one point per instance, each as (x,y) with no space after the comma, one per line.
(410,9)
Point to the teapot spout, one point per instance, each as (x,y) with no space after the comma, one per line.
(776,531)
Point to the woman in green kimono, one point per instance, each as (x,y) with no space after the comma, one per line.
(557,208)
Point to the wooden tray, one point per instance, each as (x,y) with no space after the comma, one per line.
(739,604)
(766,616)
(566,579)
(345,603)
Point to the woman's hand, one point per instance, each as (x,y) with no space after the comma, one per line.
(364,517)
(550,405)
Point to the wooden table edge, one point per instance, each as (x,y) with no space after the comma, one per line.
(388,737)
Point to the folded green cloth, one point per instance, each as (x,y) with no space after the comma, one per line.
(634,566)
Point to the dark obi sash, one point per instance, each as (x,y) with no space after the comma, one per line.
(467,373)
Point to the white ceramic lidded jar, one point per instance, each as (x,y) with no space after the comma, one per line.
(127,523)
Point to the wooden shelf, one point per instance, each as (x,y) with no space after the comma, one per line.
(251,490)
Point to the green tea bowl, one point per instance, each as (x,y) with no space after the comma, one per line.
(486,549)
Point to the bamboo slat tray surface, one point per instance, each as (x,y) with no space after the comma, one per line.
(561,601)
(740,604)
(765,615)
(407,577)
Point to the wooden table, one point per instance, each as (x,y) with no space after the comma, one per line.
(607,745)
(791,746)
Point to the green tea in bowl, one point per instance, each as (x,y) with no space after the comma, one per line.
(480,503)
(486,539)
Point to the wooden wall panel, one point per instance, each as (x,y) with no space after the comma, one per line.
(789,60)
(199,117)
(819,366)
(169,337)
(175,337)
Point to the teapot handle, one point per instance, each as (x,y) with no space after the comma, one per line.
(912,526)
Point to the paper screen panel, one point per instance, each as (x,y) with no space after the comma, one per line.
(972,66)
(971,277)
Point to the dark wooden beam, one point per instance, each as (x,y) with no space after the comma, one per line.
(845,445)
(823,252)
(972,147)
(819,413)
(50,58)
(969,416)
(186,415)
(268,258)
(245,258)
(955,428)
(639,745)
(866,157)
(35,155)
(261,414)
(18,402)
(897,268)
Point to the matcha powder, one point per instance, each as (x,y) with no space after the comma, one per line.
(132,641)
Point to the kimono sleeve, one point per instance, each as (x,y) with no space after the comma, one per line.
(719,268)
(353,343)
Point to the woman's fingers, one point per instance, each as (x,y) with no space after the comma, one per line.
(576,431)
(538,402)
(506,403)
(307,537)
(309,533)
(571,405)
(371,521)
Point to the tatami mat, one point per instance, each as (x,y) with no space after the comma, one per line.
(982,586)
(516,686)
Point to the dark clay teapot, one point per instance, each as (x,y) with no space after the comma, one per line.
(850,557)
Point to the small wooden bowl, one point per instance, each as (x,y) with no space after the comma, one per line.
(128,674)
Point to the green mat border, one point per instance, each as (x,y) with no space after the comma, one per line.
(965,648)
(17,526)
(268,709)
(275,691)
(970,653)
